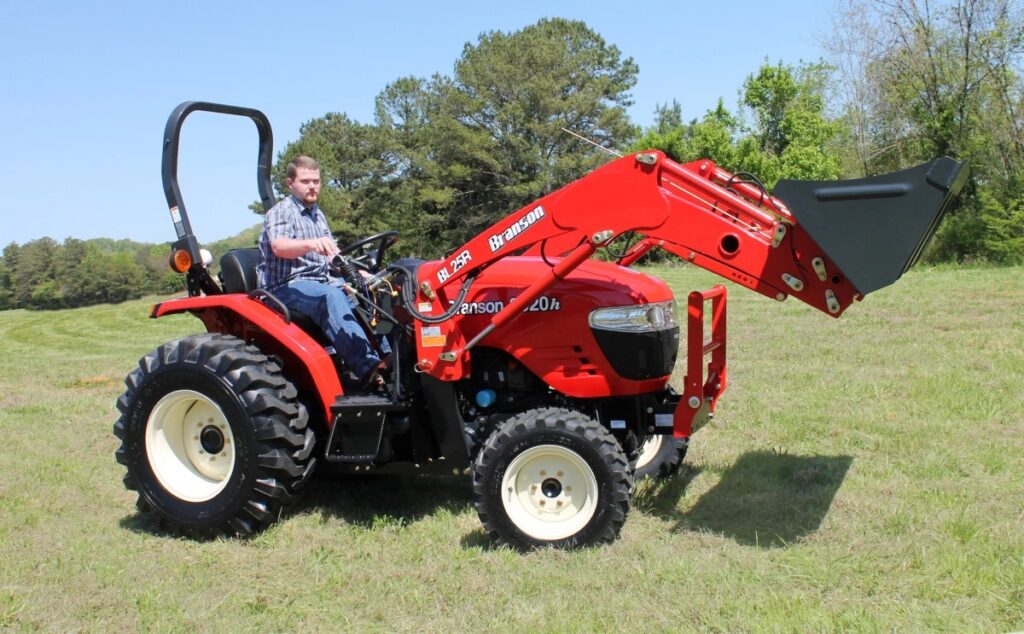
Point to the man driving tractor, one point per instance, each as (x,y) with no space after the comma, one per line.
(296,248)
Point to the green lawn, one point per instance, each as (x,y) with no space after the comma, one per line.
(865,473)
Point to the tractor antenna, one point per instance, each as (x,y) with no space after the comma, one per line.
(594,143)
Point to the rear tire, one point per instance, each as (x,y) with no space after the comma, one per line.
(660,456)
(551,477)
(213,437)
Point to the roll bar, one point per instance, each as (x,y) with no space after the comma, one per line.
(169,172)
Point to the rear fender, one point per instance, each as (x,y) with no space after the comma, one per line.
(308,364)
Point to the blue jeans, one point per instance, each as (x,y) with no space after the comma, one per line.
(331,309)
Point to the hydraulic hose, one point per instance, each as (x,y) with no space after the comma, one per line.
(747,177)
(409,295)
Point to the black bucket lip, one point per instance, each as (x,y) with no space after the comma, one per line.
(876,228)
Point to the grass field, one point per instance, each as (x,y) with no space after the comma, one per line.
(862,474)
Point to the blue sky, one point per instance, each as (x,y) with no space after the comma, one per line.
(86,87)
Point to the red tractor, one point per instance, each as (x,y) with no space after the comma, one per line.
(518,359)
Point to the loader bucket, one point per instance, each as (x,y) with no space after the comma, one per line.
(874,229)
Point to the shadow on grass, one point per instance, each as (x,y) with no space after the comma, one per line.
(766,499)
(362,500)
(374,499)
(478,540)
(659,497)
(150,524)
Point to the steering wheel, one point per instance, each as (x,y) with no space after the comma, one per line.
(370,260)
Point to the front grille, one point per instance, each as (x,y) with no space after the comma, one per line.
(640,355)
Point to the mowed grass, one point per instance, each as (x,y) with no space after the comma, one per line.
(862,474)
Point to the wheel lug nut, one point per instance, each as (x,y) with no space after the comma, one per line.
(543,473)
(195,438)
(560,474)
(542,502)
(568,489)
(201,451)
(209,420)
(558,504)
(533,488)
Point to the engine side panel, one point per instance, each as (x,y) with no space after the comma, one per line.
(552,337)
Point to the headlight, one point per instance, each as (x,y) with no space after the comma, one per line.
(640,318)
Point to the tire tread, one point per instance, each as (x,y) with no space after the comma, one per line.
(281,432)
(567,422)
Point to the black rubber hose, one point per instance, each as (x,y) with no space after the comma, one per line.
(409,296)
(747,177)
(350,272)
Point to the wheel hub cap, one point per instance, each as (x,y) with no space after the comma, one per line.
(549,492)
(551,488)
(190,445)
(211,439)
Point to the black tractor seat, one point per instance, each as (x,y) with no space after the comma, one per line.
(238,275)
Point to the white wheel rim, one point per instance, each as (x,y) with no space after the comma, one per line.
(175,435)
(648,450)
(549,492)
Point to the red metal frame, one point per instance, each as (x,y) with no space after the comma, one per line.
(697,211)
(700,394)
(250,320)
(551,337)
(683,209)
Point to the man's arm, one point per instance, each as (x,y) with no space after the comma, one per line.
(290,248)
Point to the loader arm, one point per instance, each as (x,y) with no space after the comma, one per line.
(876,226)
(824,243)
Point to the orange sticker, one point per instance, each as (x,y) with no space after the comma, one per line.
(432,337)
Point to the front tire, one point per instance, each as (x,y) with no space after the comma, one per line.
(551,477)
(213,436)
(660,456)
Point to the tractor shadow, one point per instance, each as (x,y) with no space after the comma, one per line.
(361,500)
(151,525)
(370,500)
(766,499)
(374,501)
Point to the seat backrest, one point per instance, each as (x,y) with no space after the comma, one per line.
(238,270)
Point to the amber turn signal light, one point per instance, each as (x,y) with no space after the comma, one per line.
(181,261)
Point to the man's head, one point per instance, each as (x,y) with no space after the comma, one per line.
(304,179)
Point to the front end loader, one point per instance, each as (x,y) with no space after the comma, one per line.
(519,359)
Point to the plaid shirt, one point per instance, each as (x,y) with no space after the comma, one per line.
(290,219)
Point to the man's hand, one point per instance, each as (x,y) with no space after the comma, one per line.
(323,245)
(290,248)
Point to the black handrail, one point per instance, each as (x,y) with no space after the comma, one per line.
(169,170)
(278,305)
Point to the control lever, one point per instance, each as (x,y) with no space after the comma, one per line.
(334,267)
(342,267)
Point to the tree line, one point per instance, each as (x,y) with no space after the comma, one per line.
(909,80)
(448,155)
(45,274)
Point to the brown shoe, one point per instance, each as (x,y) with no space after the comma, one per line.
(372,379)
